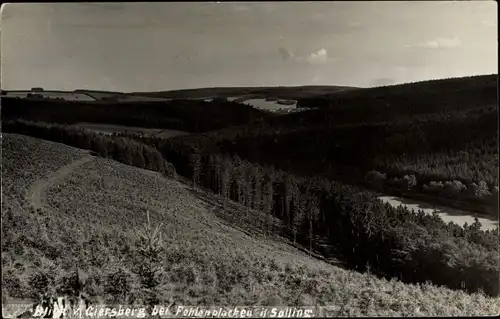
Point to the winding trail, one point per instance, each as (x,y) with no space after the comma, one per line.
(36,194)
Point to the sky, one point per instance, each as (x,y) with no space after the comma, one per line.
(166,46)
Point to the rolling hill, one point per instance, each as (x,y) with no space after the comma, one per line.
(62,207)
(282,92)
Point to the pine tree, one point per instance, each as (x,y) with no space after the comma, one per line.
(268,193)
(238,180)
(195,161)
(226,178)
(248,185)
(298,215)
(291,190)
(314,214)
(257,187)
(137,156)
(211,173)
(218,173)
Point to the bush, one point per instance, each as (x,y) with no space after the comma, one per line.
(376,178)
(453,188)
(169,170)
(482,190)
(411,181)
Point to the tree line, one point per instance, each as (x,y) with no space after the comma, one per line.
(124,150)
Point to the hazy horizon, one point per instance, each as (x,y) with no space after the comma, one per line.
(130,47)
(244,86)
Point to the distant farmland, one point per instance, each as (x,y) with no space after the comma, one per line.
(86,96)
(67,96)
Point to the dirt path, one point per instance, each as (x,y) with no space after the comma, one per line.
(36,193)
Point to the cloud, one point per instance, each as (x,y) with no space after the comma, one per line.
(285,54)
(489,23)
(238,7)
(318,57)
(354,24)
(318,16)
(439,43)
(267,6)
(316,79)
(104,6)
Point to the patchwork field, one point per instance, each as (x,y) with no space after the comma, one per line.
(67,96)
(89,213)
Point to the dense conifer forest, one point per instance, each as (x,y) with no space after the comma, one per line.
(182,115)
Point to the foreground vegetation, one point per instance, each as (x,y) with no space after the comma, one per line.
(206,262)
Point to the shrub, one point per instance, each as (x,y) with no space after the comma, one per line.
(376,178)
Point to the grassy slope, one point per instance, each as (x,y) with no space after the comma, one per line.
(207,261)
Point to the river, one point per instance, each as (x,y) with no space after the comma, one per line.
(448,214)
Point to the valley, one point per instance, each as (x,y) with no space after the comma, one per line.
(92,214)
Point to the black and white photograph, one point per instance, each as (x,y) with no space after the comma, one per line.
(259,159)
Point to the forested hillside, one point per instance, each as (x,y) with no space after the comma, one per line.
(410,98)
(183,115)
(445,145)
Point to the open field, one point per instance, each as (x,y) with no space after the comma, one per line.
(87,95)
(267,105)
(67,96)
(90,217)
